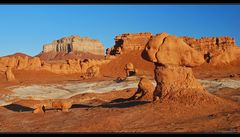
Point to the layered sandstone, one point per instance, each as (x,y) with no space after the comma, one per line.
(214,45)
(216,50)
(70,66)
(75,43)
(72,47)
(128,42)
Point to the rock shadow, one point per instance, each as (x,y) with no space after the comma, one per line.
(124,104)
(116,103)
(144,54)
(81,106)
(119,100)
(18,108)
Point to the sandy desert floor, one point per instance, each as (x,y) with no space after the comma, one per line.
(110,110)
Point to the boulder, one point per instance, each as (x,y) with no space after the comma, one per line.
(92,72)
(145,90)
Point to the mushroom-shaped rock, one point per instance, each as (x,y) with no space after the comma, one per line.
(173,59)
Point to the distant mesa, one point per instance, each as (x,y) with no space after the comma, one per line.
(73,47)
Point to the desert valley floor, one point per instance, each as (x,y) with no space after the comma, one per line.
(107,107)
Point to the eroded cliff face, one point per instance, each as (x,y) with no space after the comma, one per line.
(216,50)
(70,66)
(214,45)
(128,42)
(75,44)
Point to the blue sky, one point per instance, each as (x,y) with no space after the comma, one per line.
(25,28)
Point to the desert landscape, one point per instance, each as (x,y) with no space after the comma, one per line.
(119,69)
(144,83)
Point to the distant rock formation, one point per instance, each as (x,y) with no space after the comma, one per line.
(75,43)
(216,50)
(128,42)
(85,67)
(214,45)
(72,47)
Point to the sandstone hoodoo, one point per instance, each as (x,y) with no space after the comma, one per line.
(72,46)
(173,60)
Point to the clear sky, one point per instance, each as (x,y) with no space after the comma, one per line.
(25,28)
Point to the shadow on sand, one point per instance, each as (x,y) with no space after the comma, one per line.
(124,104)
(116,103)
(18,108)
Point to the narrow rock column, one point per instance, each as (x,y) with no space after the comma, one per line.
(9,74)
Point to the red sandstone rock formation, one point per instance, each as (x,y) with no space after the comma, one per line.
(173,59)
(145,90)
(128,42)
(70,66)
(91,72)
(216,50)
(178,54)
(130,69)
(9,74)
(63,104)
